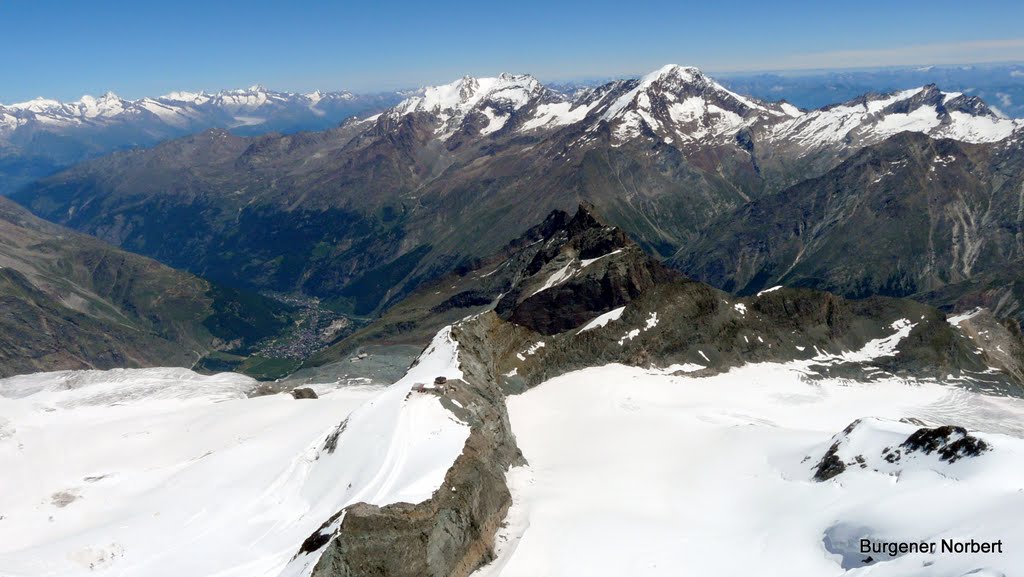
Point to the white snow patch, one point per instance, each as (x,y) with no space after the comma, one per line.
(652,321)
(955,320)
(629,336)
(876,348)
(603,319)
(589,261)
(558,277)
(558,114)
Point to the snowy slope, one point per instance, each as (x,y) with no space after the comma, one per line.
(163,472)
(873,118)
(634,472)
(681,106)
(495,98)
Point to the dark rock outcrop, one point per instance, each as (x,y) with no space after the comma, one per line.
(952,443)
(583,271)
(452,533)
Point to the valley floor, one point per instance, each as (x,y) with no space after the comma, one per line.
(638,473)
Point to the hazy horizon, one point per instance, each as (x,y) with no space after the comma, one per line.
(65,49)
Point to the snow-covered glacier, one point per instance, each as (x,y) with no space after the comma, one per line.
(164,472)
(641,473)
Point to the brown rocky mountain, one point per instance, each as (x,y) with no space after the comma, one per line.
(73,302)
(912,215)
(363,214)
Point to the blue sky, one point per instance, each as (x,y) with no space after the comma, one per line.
(62,49)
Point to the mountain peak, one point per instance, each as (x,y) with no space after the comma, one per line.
(679,104)
(684,73)
(494,97)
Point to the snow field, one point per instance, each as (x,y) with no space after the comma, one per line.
(162,472)
(638,473)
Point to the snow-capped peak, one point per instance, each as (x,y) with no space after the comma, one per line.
(494,97)
(185,96)
(179,110)
(874,117)
(680,104)
(36,104)
(467,92)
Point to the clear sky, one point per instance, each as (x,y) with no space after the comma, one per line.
(63,49)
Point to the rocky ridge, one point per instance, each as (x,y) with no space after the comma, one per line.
(670,324)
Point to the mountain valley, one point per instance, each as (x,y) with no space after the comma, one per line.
(496,329)
(364,214)
(601,392)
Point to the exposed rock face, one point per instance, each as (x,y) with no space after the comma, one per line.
(892,448)
(999,339)
(452,533)
(303,393)
(909,216)
(950,442)
(585,270)
(580,269)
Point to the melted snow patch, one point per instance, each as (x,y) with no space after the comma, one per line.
(629,336)
(531,350)
(679,367)
(768,290)
(740,308)
(652,321)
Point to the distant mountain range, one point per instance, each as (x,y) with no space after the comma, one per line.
(362,214)
(657,300)
(1001,85)
(42,135)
